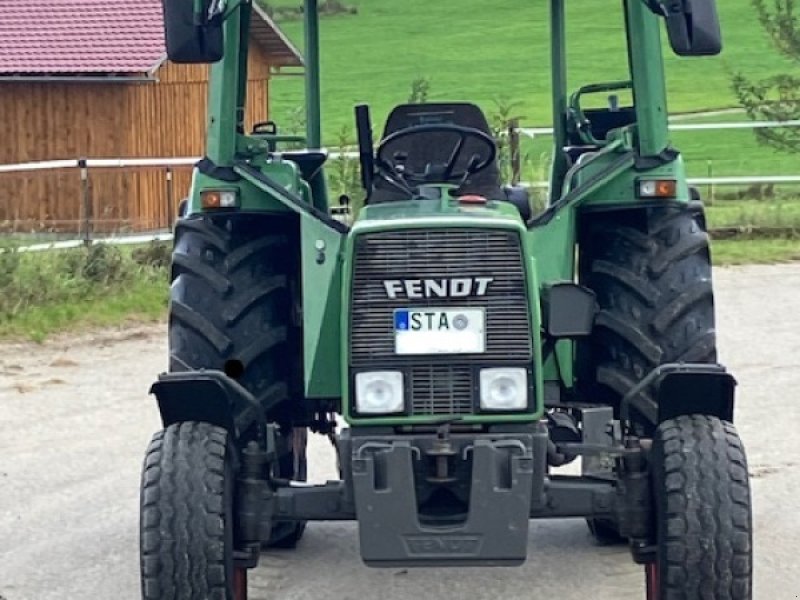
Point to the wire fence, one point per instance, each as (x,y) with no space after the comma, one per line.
(65,203)
(90,199)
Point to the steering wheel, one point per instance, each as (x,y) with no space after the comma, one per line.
(390,172)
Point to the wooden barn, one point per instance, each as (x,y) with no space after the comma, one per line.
(90,79)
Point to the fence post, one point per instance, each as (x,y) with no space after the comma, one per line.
(86,201)
(513,140)
(170,200)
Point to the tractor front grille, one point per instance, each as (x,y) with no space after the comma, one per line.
(439,385)
(441,389)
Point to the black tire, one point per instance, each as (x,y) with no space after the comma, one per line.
(703,511)
(232,310)
(651,271)
(231,304)
(186,518)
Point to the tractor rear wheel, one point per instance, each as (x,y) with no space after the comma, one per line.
(230,305)
(232,310)
(703,512)
(651,271)
(186,518)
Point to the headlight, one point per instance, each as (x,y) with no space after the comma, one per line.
(504,389)
(379,393)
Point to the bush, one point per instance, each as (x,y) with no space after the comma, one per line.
(157,255)
(9,264)
(61,277)
(105,264)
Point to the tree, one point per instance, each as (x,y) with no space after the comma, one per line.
(775,98)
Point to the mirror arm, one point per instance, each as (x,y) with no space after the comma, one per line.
(215,9)
(227,8)
(664,9)
(218,11)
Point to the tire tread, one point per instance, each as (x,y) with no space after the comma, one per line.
(230,301)
(653,283)
(705,522)
(183,529)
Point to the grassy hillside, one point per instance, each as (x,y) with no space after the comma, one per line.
(717,153)
(482,50)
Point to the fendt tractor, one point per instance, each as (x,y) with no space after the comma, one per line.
(471,347)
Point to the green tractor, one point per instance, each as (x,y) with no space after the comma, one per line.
(471,347)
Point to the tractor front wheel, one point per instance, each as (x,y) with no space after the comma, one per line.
(703,512)
(186,518)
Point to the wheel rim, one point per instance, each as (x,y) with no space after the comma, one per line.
(651,577)
(240,583)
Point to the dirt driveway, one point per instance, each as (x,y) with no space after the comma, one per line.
(75,419)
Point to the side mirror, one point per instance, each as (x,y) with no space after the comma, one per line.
(192,33)
(693,27)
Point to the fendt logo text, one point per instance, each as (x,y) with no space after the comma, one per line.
(417,289)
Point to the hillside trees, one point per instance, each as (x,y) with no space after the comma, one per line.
(776,98)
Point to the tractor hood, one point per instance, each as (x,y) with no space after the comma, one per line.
(446,210)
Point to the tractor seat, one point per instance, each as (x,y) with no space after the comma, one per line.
(520,197)
(425,151)
(309,162)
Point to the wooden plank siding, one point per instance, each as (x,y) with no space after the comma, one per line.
(50,121)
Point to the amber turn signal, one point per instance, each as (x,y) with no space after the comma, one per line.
(658,188)
(219,199)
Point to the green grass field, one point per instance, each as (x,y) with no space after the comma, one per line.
(772,213)
(717,153)
(45,292)
(481,51)
(750,252)
(142,301)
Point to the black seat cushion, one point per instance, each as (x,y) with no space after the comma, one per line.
(436,148)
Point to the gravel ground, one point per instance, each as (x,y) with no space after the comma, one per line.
(76,419)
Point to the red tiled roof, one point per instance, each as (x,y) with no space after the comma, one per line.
(80,36)
(89,37)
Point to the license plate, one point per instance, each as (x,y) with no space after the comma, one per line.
(440,331)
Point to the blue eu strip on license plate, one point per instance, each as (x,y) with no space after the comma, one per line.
(440,331)
(401,320)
